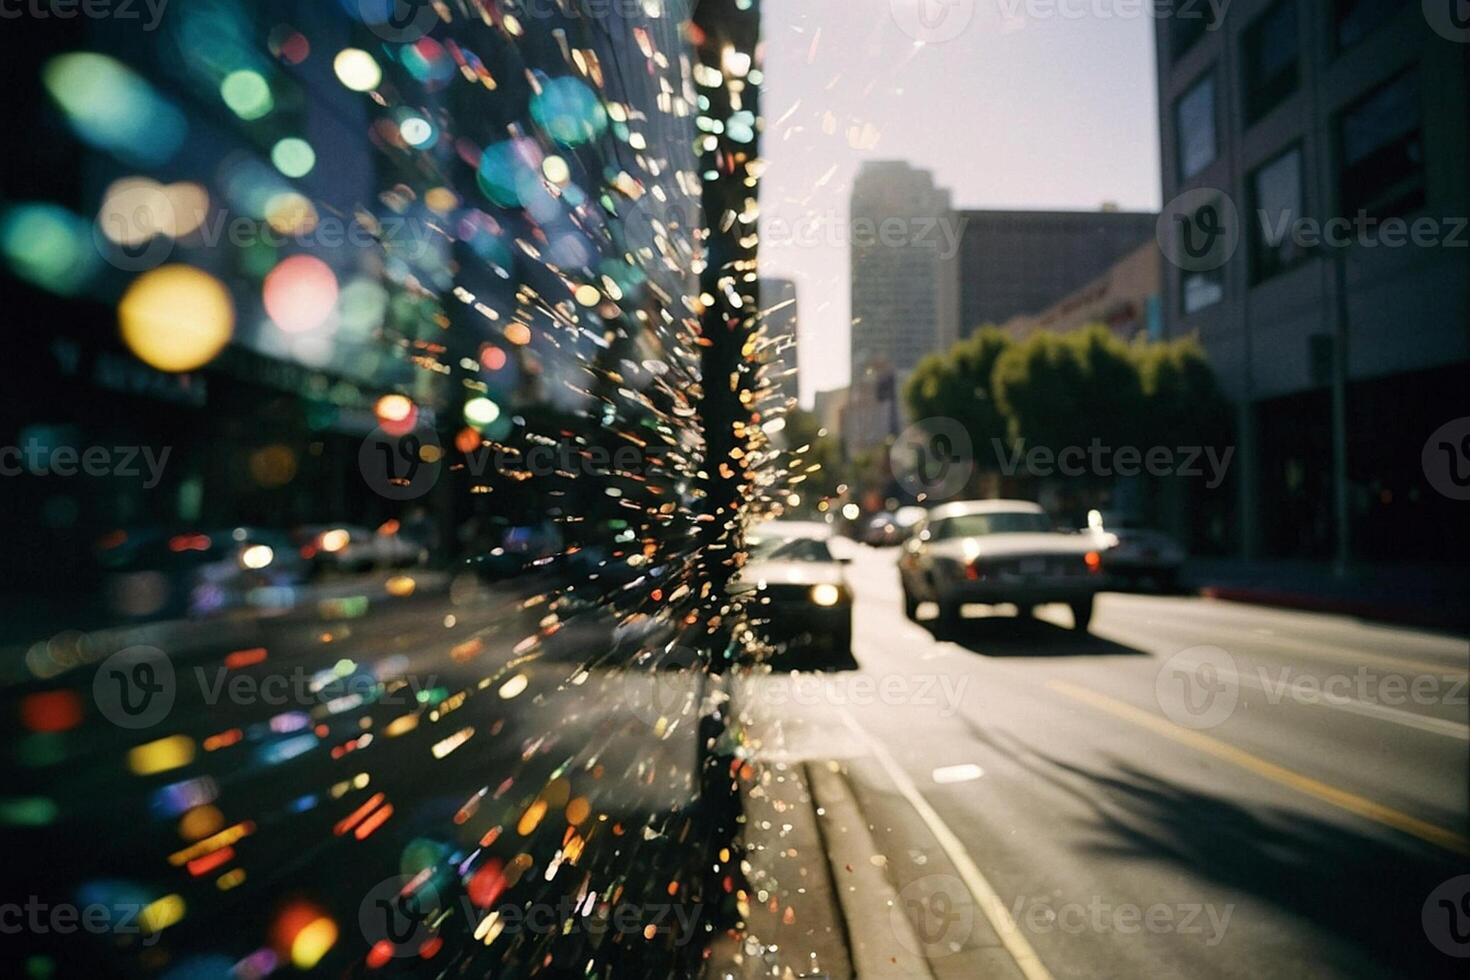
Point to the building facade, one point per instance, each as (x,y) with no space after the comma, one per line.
(871,414)
(1017,263)
(1125,299)
(1314,172)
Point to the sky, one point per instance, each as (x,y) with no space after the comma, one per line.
(1009,103)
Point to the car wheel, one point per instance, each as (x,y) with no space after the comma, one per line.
(949,615)
(842,645)
(1082,614)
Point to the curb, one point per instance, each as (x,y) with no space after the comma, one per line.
(792,925)
(881,943)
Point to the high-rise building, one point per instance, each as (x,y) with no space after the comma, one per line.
(1018,263)
(904,289)
(830,407)
(871,414)
(778,305)
(1314,164)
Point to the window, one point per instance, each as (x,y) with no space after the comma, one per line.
(1201,289)
(1356,19)
(1207,238)
(1188,22)
(1194,123)
(1381,144)
(1270,60)
(975,525)
(1276,209)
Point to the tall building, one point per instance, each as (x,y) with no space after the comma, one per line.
(830,407)
(904,290)
(1018,263)
(1314,161)
(871,414)
(778,304)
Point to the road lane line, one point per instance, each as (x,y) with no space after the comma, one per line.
(1351,802)
(985,897)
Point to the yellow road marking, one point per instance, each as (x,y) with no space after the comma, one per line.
(1351,802)
(985,896)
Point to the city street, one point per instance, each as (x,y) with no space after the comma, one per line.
(733,489)
(1283,836)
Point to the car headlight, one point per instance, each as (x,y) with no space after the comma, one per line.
(826,595)
(257,556)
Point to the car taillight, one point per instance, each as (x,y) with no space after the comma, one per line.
(973,571)
(1094,562)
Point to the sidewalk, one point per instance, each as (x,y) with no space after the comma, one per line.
(1413,595)
(845,883)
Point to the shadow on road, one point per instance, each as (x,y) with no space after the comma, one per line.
(1009,636)
(1367,891)
(813,661)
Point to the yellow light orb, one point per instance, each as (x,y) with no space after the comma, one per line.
(313,942)
(176,318)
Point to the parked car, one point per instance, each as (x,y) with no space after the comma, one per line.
(1142,556)
(880,530)
(796,590)
(997,552)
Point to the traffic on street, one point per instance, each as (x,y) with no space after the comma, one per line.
(734,489)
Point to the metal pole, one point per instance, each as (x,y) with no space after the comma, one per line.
(1341,509)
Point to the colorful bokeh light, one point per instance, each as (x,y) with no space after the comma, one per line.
(300,293)
(176,318)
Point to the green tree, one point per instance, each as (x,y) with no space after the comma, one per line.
(1059,390)
(957,384)
(1186,405)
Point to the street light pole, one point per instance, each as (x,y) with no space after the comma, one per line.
(1341,503)
(726,35)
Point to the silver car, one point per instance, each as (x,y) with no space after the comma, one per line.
(997,552)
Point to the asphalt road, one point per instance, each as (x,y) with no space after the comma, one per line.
(1194,788)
